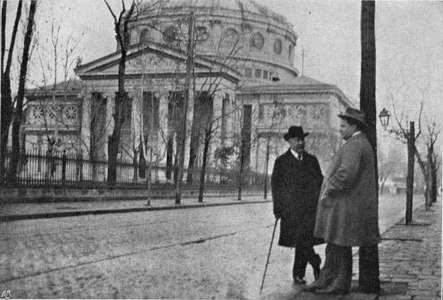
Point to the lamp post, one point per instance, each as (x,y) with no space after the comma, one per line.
(410,138)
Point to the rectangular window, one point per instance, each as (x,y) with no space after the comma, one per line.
(257,73)
(224,126)
(246,135)
(175,109)
(98,125)
(126,107)
(265,74)
(248,72)
(151,113)
(261,113)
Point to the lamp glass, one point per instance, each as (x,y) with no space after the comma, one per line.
(384,117)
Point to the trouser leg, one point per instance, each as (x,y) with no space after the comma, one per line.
(311,257)
(326,273)
(300,262)
(343,268)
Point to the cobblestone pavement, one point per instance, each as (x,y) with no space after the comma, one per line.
(410,261)
(211,253)
(410,256)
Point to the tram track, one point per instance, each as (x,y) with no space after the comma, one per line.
(123,255)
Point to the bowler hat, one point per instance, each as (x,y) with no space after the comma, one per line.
(295,132)
(354,114)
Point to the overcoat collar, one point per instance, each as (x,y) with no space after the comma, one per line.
(360,135)
(291,155)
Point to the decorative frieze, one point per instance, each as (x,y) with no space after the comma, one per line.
(284,115)
(53,114)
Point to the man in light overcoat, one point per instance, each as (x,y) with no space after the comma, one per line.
(347,212)
(296,181)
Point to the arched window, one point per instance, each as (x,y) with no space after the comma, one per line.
(202,33)
(170,34)
(277,46)
(144,36)
(257,40)
(230,37)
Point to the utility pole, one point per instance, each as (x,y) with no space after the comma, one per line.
(189,63)
(369,274)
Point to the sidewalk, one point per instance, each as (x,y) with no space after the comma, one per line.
(23,211)
(410,261)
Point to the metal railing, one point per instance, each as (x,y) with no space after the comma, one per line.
(52,169)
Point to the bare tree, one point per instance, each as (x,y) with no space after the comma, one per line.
(431,136)
(121,28)
(14,114)
(6,101)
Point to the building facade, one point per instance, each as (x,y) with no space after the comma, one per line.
(244,86)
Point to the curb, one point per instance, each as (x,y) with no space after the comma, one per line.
(11,218)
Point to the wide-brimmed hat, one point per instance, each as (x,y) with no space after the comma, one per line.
(295,132)
(354,114)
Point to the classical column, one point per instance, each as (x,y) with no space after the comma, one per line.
(163,132)
(110,104)
(188,126)
(136,117)
(85,130)
(226,119)
(216,125)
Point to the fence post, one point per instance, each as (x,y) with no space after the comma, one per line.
(64,167)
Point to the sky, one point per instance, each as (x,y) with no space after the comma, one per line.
(409,42)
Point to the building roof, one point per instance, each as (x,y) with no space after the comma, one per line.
(71,86)
(298,83)
(302,84)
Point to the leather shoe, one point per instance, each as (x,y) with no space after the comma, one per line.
(316,272)
(313,287)
(332,291)
(299,280)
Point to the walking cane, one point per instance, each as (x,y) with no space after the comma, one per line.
(269,254)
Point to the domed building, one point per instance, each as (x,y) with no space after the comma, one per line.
(243,84)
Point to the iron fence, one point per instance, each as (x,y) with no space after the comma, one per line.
(49,169)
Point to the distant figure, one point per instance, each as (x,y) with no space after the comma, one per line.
(347,213)
(296,181)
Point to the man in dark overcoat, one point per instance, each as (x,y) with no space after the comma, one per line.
(296,182)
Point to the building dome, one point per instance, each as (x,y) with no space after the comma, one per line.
(249,6)
(256,41)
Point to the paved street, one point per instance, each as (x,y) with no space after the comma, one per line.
(200,253)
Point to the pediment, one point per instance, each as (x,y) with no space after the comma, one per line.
(150,59)
(144,64)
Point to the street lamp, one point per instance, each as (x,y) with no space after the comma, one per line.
(384,118)
(410,138)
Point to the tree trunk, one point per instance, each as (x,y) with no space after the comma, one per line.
(12,172)
(121,30)
(369,280)
(240,176)
(428,199)
(6,109)
(193,150)
(201,188)
(6,97)
(196,132)
(434,179)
